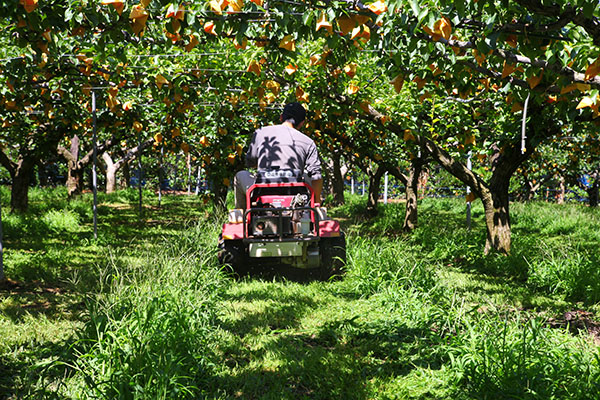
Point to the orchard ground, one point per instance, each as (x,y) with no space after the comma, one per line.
(145,312)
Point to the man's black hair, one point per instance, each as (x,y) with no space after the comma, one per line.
(293,112)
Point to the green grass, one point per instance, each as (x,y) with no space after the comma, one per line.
(144,311)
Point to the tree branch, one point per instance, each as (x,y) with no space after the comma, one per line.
(62,151)
(567,72)
(133,152)
(7,163)
(591,25)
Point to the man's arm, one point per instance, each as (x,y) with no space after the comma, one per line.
(313,168)
(252,154)
(317,186)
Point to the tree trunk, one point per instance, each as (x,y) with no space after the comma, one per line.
(220,192)
(412,183)
(561,193)
(75,172)
(126,176)
(111,173)
(77,166)
(497,219)
(21,179)
(337,182)
(42,175)
(530,189)
(412,186)
(374,186)
(592,191)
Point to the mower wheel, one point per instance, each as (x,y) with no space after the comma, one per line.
(233,254)
(333,256)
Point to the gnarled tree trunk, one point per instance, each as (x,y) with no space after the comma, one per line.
(562,190)
(337,181)
(77,166)
(497,219)
(374,186)
(126,176)
(20,173)
(74,171)
(111,173)
(412,187)
(113,167)
(21,179)
(411,182)
(592,190)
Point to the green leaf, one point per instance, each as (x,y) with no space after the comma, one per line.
(460,7)
(307,17)
(589,7)
(414,4)
(482,47)
(424,12)
(68,14)
(492,39)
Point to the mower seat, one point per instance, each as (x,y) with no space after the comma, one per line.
(279,176)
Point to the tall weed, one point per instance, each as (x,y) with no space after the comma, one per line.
(376,264)
(566,270)
(503,358)
(150,330)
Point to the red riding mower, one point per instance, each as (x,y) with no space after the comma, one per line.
(282,227)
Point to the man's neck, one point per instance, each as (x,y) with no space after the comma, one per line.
(288,124)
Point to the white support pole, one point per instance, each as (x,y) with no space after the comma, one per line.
(523,126)
(385,188)
(189,177)
(469,192)
(139,157)
(352,184)
(160,174)
(94,162)
(363,187)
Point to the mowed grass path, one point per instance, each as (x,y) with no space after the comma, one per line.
(145,312)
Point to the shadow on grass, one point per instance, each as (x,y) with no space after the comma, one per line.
(269,354)
(36,299)
(33,371)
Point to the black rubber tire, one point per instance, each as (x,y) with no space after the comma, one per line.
(233,255)
(333,256)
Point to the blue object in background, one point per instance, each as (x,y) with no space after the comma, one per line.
(585,180)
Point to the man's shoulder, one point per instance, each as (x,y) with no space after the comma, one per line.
(272,130)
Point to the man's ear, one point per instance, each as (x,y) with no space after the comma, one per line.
(300,125)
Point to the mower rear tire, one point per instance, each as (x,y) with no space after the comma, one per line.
(333,256)
(233,254)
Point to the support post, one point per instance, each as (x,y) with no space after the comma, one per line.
(160,174)
(140,174)
(385,188)
(352,184)
(469,192)
(2,277)
(523,125)
(94,163)
(198,182)
(189,177)
(363,187)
